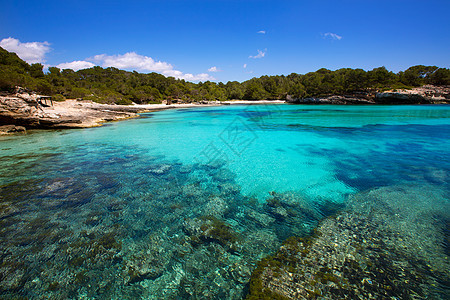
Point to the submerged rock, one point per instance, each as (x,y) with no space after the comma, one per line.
(160,169)
(11,129)
(378,248)
(209,229)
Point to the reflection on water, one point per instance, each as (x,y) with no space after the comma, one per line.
(183,204)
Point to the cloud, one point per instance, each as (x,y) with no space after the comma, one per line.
(33,52)
(214,69)
(76,65)
(245,66)
(134,61)
(262,32)
(260,54)
(333,36)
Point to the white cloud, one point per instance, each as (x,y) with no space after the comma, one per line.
(262,32)
(134,61)
(76,65)
(260,54)
(214,69)
(33,52)
(333,36)
(245,66)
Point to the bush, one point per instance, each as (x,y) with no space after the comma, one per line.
(58,97)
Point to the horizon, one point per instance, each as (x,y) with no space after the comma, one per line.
(230,40)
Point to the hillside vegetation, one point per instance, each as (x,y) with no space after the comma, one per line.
(111,85)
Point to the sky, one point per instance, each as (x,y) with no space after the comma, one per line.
(227,40)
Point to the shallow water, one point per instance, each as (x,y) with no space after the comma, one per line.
(183,203)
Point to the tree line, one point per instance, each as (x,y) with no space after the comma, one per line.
(111,85)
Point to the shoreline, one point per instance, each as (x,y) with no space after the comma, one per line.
(24,111)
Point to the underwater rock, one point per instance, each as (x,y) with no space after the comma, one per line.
(378,248)
(160,169)
(224,175)
(216,207)
(262,219)
(185,169)
(295,215)
(147,262)
(210,229)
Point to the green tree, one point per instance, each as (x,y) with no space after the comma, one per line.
(36,70)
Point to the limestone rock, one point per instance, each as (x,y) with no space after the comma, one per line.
(11,129)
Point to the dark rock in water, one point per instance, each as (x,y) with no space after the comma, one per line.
(379,248)
(26,110)
(335,99)
(295,214)
(209,229)
(11,129)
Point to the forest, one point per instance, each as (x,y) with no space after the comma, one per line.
(111,85)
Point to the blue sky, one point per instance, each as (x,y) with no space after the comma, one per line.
(226,40)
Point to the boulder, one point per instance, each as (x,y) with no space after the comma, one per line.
(11,129)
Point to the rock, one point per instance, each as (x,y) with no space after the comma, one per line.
(23,109)
(11,129)
(263,219)
(160,169)
(378,248)
(216,207)
(209,229)
(427,94)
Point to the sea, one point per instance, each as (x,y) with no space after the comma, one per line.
(184,203)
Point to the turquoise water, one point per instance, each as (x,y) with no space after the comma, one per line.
(184,203)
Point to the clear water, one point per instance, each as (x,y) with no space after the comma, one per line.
(180,203)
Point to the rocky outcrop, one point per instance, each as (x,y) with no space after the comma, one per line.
(11,129)
(23,109)
(427,94)
(335,99)
(401,98)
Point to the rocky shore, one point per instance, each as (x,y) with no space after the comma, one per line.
(427,94)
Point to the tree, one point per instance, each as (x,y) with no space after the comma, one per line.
(36,70)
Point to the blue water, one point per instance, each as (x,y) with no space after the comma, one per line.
(176,204)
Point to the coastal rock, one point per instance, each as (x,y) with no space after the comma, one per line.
(335,99)
(11,129)
(400,98)
(23,109)
(427,94)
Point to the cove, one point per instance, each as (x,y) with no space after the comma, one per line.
(183,204)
